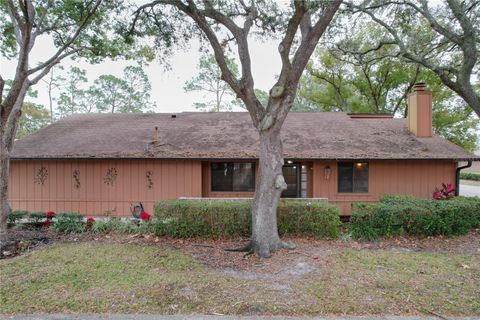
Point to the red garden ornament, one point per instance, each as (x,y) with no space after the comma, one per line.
(145,216)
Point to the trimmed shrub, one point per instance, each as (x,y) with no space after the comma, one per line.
(191,218)
(398,215)
(475,176)
(316,219)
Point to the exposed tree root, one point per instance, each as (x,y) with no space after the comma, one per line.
(263,252)
(247,248)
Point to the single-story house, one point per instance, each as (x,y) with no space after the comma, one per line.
(99,164)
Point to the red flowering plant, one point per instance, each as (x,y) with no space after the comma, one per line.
(90,222)
(49,214)
(447,192)
(144,216)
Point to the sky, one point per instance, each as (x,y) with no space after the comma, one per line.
(167,85)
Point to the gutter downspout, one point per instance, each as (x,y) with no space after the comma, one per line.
(457,175)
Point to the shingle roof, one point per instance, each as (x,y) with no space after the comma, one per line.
(325,135)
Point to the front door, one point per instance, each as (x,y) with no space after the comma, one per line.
(291,173)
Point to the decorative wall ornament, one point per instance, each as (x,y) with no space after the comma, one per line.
(76,178)
(110,177)
(41,176)
(149,176)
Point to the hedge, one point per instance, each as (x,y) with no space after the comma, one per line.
(475,176)
(213,219)
(399,215)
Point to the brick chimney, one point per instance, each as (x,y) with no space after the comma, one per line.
(420,111)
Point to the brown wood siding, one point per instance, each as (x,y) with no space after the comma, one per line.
(188,178)
(417,178)
(171,179)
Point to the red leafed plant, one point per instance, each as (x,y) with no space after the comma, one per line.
(90,220)
(47,223)
(49,214)
(145,216)
(447,192)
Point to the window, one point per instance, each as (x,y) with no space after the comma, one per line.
(233,176)
(353,177)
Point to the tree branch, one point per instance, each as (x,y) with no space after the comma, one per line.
(69,42)
(309,41)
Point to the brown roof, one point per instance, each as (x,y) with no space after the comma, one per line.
(325,135)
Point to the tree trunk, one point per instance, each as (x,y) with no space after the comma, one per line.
(269,186)
(4,206)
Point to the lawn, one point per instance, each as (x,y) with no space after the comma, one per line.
(93,277)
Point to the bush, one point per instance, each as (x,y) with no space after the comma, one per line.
(69,222)
(16,216)
(398,215)
(123,226)
(316,219)
(197,218)
(470,176)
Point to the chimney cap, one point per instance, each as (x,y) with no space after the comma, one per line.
(419,86)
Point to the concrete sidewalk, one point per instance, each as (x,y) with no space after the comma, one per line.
(210,317)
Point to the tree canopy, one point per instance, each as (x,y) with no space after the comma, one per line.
(442,36)
(343,77)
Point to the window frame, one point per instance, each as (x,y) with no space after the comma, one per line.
(354,164)
(254,171)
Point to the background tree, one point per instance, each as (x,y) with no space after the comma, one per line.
(72,94)
(443,37)
(128,94)
(138,88)
(209,81)
(299,26)
(108,93)
(378,81)
(34,117)
(52,83)
(75,28)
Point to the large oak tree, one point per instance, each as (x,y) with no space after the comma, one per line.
(231,24)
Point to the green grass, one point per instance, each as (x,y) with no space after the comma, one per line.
(96,278)
(383,282)
(111,278)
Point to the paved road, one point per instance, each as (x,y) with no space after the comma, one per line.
(212,317)
(469,190)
